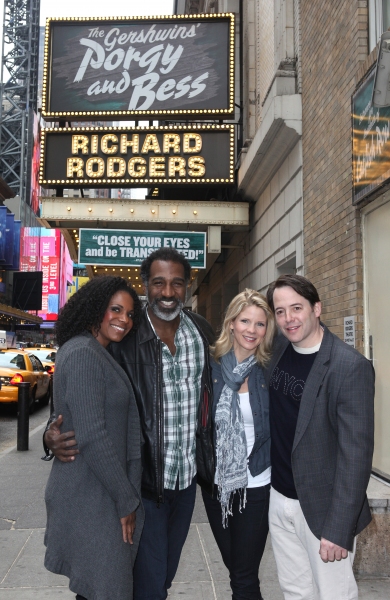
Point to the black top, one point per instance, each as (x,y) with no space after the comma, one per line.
(286,388)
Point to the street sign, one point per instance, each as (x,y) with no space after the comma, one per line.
(127,248)
(179,66)
(349,331)
(138,156)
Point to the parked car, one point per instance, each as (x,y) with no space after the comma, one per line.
(17,366)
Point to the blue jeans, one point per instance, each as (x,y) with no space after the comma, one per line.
(163,536)
(241,543)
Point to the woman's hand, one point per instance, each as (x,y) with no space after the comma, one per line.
(128,527)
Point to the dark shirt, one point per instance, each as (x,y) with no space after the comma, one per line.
(286,388)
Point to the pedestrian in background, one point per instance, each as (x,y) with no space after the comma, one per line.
(94,508)
(238,510)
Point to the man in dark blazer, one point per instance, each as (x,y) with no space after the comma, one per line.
(322,438)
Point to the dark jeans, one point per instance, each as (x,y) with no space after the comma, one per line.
(163,536)
(242,542)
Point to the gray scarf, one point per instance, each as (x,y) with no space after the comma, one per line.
(231,470)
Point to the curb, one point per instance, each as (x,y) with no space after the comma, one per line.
(31,433)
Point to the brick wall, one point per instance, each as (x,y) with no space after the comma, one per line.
(334,44)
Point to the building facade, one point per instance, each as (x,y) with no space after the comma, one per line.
(317,181)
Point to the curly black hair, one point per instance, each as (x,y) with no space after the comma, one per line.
(85,310)
(167,255)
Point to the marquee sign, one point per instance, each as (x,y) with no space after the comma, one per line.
(128,248)
(179,66)
(121,156)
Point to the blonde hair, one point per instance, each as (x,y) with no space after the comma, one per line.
(225,342)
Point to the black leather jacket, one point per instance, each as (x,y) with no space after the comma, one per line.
(140,355)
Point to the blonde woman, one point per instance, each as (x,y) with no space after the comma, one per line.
(238,510)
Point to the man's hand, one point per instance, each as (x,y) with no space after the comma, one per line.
(330,552)
(63,445)
(128,527)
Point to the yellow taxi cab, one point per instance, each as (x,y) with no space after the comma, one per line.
(17,366)
(47,356)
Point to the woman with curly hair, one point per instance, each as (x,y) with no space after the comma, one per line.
(238,510)
(94,509)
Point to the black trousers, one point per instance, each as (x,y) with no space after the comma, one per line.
(78,597)
(241,543)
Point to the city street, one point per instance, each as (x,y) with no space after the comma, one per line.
(8,423)
(201,574)
(225,165)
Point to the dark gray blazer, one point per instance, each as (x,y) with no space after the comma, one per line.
(334,440)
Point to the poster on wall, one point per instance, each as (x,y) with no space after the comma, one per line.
(371,142)
(108,68)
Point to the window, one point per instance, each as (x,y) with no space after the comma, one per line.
(36,363)
(288,266)
(378,20)
(11,360)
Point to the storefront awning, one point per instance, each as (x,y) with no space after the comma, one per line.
(19,314)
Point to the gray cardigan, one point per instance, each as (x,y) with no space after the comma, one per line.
(86,498)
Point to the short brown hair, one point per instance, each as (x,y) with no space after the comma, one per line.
(299,284)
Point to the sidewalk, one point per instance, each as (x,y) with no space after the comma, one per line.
(201,574)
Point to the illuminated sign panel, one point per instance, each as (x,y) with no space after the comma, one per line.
(179,66)
(46,250)
(127,248)
(371,143)
(120,157)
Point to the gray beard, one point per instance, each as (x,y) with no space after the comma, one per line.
(165,315)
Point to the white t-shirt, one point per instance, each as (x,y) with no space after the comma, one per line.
(265,477)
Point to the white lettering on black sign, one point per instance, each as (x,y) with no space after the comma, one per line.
(140,66)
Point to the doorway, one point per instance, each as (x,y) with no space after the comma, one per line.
(376,240)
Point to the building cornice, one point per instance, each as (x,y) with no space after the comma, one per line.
(279,132)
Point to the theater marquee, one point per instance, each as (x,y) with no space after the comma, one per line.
(179,66)
(120,156)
